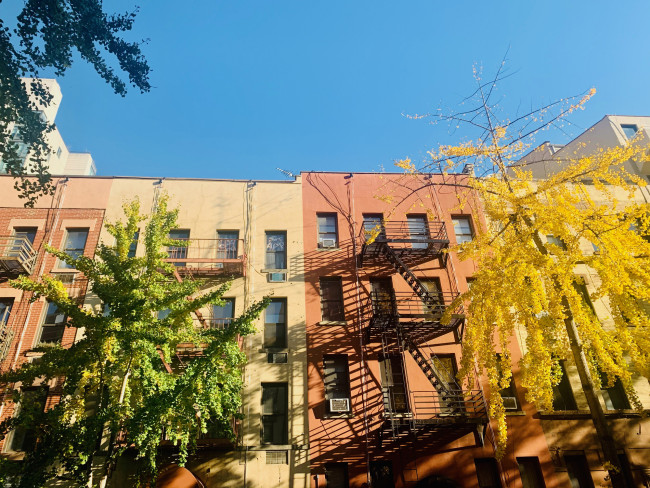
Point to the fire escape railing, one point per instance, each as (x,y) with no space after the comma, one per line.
(17,255)
(208,256)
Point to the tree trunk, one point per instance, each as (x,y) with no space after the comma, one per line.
(607,443)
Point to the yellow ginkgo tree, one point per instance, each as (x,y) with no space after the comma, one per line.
(526,282)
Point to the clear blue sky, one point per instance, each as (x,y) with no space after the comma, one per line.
(242,87)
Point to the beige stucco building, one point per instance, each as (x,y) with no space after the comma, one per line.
(254,229)
(569,430)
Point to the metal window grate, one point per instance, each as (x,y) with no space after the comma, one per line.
(277,457)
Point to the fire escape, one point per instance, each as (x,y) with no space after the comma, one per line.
(211,259)
(404,323)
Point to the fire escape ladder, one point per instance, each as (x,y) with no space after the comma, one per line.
(426,366)
(430,301)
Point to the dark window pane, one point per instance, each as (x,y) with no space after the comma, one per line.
(5,311)
(393,384)
(373,223)
(53,325)
(487,472)
(614,396)
(178,252)
(578,471)
(531,472)
(563,398)
(332,299)
(32,402)
(336,377)
(336,475)
(275,427)
(629,130)
(134,244)
(381,474)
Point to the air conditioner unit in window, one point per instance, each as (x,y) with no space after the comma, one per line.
(277,277)
(328,243)
(510,403)
(339,405)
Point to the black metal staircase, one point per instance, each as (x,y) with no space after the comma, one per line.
(402,323)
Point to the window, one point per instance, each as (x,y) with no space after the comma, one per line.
(178,252)
(58,152)
(581,287)
(487,472)
(32,403)
(227,244)
(29,233)
(133,247)
(163,314)
(331,299)
(393,385)
(381,474)
(418,231)
(626,468)
(578,471)
(5,311)
(75,243)
(563,398)
(275,413)
(328,235)
(374,223)
(462,228)
(556,241)
(222,315)
(614,396)
(336,475)
(53,325)
(531,472)
(276,250)
(434,289)
(508,394)
(336,377)
(629,130)
(275,323)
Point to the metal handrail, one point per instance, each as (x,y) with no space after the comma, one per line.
(206,250)
(409,304)
(19,250)
(431,405)
(404,232)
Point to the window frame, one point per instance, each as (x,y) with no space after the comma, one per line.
(283,416)
(634,127)
(536,471)
(280,342)
(44,325)
(338,301)
(510,390)
(225,320)
(272,263)
(470,222)
(493,467)
(225,250)
(336,384)
(559,390)
(62,264)
(25,433)
(342,469)
(321,233)
(133,246)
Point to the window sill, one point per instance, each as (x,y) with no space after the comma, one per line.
(274,270)
(328,249)
(267,350)
(14,455)
(333,322)
(584,414)
(335,416)
(515,413)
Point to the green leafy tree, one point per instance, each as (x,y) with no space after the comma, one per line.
(117,388)
(45,38)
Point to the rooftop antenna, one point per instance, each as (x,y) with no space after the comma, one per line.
(286,173)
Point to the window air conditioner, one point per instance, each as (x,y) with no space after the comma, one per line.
(510,403)
(339,405)
(328,243)
(277,277)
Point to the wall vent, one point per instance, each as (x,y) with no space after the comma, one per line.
(277,277)
(277,358)
(277,457)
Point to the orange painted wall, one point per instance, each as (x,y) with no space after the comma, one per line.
(353,439)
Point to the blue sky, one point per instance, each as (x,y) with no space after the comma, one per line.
(242,87)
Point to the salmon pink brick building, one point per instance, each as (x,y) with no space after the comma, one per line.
(385,408)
